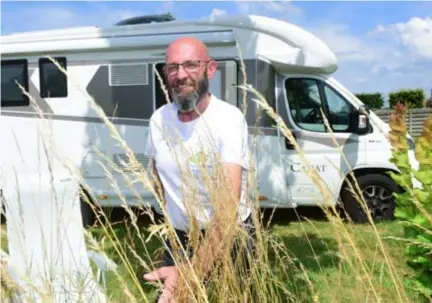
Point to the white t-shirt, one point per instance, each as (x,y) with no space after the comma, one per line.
(220,132)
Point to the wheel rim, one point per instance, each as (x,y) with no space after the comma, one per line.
(379,201)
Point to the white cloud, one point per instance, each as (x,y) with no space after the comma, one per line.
(415,35)
(280,9)
(217,12)
(347,47)
(167,7)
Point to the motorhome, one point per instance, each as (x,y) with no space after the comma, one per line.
(116,67)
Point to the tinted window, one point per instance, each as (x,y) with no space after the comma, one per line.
(340,111)
(13,72)
(53,82)
(305,104)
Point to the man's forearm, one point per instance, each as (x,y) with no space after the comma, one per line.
(221,230)
(216,246)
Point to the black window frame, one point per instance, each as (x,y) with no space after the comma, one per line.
(158,91)
(43,92)
(25,101)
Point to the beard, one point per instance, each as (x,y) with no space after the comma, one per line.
(186,102)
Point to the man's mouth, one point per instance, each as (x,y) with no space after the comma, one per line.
(185,87)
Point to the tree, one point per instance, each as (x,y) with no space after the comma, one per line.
(374,100)
(413,98)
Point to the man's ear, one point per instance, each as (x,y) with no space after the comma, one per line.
(211,68)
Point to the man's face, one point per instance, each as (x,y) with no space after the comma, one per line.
(187,82)
(188,69)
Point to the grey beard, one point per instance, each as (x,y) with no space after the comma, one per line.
(188,103)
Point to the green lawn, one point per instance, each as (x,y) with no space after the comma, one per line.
(333,278)
(330,265)
(313,244)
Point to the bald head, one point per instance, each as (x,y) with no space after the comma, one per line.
(187,48)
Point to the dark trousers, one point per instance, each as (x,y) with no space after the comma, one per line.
(240,248)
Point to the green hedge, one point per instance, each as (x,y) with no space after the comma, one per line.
(374,101)
(414,98)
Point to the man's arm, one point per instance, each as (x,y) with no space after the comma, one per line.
(221,231)
(150,152)
(157,184)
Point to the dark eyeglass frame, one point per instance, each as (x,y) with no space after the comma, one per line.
(188,65)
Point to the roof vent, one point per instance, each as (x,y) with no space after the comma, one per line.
(146,19)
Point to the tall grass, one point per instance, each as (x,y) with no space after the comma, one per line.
(275,276)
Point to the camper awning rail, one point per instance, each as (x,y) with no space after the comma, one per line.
(145,41)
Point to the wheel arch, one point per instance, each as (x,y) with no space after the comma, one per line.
(362,171)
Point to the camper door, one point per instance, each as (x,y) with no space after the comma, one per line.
(307,99)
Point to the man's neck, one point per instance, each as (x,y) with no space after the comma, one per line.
(201,107)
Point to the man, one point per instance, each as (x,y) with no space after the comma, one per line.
(196,123)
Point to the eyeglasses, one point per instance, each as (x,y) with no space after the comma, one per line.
(190,66)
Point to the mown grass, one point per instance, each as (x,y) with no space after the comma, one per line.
(314,244)
(311,243)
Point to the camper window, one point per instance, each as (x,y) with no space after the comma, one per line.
(53,82)
(340,110)
(308,97)
(13,72)
(305,104)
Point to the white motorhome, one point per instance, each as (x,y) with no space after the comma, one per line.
(116,66)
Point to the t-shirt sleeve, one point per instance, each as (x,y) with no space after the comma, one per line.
(234,142)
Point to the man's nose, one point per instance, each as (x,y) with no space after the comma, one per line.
(182,73)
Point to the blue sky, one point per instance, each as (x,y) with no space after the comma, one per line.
(381,46)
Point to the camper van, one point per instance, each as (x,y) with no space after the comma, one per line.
(116,67)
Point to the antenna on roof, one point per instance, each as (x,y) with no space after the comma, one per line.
(146,19)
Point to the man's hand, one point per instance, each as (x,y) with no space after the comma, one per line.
(169,275)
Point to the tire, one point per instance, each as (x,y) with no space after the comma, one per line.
(87,213)
(377,192)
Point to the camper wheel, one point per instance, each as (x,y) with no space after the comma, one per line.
(377,191)
(87,212)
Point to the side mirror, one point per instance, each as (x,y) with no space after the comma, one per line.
(363,122)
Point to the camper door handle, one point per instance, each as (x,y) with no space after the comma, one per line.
(288,145)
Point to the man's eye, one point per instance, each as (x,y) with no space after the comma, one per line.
(191,65)
(171,68)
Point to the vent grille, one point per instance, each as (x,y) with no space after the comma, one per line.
(121,161)
(128,74)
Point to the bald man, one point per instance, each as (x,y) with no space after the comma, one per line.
(179,131)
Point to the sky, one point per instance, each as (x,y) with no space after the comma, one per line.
(381,46)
